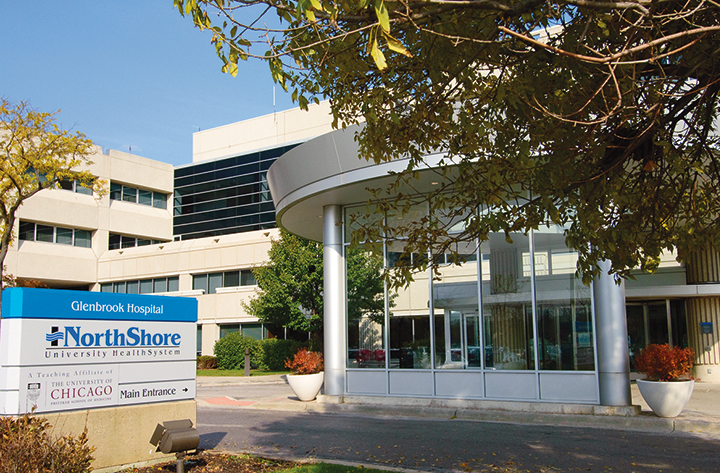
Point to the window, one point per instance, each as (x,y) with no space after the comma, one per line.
(44,233)
(159,200)
(63,236)
(200,282)
(160,285)
(26,231)
(144,197)
(247,278)
(30,231)
(83,238)
(231,279)
(210,282)
(127,242)
(129,194)
(225,330)
(254,331)
(115,191)
(225,196)
(133,287)
(137,196)
(173,284)
(114,242)
(82,189)
(75,186)
(215,280)
(144,286)
(117,241)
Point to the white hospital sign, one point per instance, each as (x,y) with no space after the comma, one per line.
(64,350)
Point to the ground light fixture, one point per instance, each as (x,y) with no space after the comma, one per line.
(176,436)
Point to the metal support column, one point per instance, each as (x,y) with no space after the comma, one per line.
(612,339)
(334,316)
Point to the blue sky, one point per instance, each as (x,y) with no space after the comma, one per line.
(132,74)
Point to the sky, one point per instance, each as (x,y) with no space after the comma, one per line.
(132,75)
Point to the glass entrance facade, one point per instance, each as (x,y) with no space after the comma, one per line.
(662,321)
(507,311)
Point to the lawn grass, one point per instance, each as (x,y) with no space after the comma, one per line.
(238,372)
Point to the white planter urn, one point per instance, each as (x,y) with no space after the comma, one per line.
(666,398)
(306,386)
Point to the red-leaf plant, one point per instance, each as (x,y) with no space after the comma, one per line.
(305,362)
(663,363)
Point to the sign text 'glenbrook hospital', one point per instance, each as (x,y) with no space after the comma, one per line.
(120,308)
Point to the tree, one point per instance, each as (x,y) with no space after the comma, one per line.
(595,116)
(8,280)
(36,155)
(291,285)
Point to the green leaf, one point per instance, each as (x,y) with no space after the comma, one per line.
(378,56)
(395,45)
(382,15)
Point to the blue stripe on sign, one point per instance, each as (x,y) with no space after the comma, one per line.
(34,303)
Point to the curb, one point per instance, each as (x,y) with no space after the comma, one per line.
(645,422)
(209,381)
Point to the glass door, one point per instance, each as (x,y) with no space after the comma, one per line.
(655,322)
(458,345)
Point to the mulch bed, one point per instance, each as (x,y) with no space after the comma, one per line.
(210,462)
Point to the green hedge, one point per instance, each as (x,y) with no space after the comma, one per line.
(230,351)
(267,354)
(276,351)
(206,363)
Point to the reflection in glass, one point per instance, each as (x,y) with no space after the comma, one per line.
(657,323)
(535,314)
(564,324)
(507,303)
(357,217)
(365,309)
(410,342)
(409,329)
(45,233)
(64,236)
(455,305)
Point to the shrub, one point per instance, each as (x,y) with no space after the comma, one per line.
(305,362)
(27,447)
(230,351)
(276,351)
(663,363)
(206,362)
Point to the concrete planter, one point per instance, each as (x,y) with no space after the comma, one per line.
(306,386)
(666,398)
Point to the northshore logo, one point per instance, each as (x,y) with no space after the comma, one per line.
(73,337)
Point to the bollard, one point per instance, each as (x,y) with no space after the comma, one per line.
(247,362)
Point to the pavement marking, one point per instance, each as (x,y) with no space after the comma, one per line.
(228,401)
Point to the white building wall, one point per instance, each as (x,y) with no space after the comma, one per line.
(198,256)
(268,131)
(60,265)
(66,266)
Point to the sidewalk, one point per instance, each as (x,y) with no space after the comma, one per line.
(701,415)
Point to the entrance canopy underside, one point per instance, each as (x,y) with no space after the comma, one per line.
(328,170)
